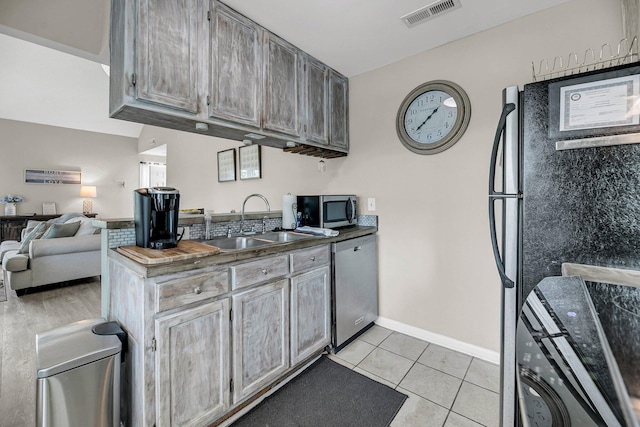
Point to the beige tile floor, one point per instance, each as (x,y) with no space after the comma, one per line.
(445,387)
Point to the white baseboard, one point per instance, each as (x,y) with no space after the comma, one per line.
(441,340)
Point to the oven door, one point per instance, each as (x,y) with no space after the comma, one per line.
(338,211)
(568,375)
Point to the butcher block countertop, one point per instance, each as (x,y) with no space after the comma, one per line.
(186,250)
(153,265)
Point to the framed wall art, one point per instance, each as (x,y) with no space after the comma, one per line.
(44,176)
(227,165)
(250,162)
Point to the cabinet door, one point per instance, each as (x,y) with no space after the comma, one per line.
(282,71)
(260,337)
(168,59)
(192,365)
(310,313)
(338,110)
(236,67)
(316,101)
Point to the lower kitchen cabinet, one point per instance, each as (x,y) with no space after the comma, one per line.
(192,360)
(260,331)
(310,313)
(207,341)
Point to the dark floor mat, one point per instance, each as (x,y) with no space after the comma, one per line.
(327,394)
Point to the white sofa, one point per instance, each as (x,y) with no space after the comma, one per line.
(50,261)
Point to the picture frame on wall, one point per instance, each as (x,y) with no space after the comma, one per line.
(250,162)
(227,165)
(49,208)
(46,176)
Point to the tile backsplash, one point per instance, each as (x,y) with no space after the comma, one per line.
(127,237)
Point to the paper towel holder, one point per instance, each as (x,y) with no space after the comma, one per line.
(289,211)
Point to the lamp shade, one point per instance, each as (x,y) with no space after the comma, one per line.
(88,191)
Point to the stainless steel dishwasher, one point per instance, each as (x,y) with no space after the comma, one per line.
(355,288)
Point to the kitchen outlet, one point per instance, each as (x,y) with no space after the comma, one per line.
(371,204)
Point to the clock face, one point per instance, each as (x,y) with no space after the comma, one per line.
(433,117)
(430,117)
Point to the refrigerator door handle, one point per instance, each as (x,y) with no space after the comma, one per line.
(493,196)
(506,282)
(506,110)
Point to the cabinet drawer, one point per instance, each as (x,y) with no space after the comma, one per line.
(309,258)
(186,290)
(260,270)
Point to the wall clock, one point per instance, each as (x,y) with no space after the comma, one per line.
(433,117)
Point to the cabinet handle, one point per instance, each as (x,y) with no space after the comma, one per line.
(313,258)
(197,290)
(265,271)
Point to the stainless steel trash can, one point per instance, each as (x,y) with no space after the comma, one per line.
(78,377)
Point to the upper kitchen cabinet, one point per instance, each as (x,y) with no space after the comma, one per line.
(316,100)
(282,86)
(236,67)
(338,110)
(167,39)
(157,52)
(200,66)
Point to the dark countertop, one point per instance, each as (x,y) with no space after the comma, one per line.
(239,255)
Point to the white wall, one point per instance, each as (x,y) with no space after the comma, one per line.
(192,169)
(101,158)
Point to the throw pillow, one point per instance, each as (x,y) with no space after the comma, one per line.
(86,228)
(61,230)
(64,218)
(31,224)
(34,234)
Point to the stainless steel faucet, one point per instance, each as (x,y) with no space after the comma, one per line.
(245,202)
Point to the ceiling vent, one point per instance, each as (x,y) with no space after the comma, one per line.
(429,12)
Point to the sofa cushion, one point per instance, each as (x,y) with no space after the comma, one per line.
(36,233)
(86,227)
(31,224)
(14,261)
(61,230)
(64,218)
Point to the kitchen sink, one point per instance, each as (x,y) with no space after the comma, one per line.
(236,243)
(257,240)
(283,236)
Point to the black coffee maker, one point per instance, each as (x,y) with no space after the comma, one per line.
(156,217)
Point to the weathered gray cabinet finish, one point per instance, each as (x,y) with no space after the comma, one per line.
(338,110)
(236,67)
(310,313)
(265,269)
(171,67)
(168,40)
(192,362)
(282,85)
(260,337)
(184,349)
(316,100)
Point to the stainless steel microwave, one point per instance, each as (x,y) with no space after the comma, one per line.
(327,211)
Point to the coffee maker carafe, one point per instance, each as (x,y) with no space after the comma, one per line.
(156,217)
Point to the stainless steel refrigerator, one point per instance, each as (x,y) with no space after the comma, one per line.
(564,206)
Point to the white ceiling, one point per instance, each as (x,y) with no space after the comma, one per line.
(44,85)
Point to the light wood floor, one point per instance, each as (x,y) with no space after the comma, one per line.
(20,320)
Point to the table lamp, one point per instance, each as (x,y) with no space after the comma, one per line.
(87,191)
